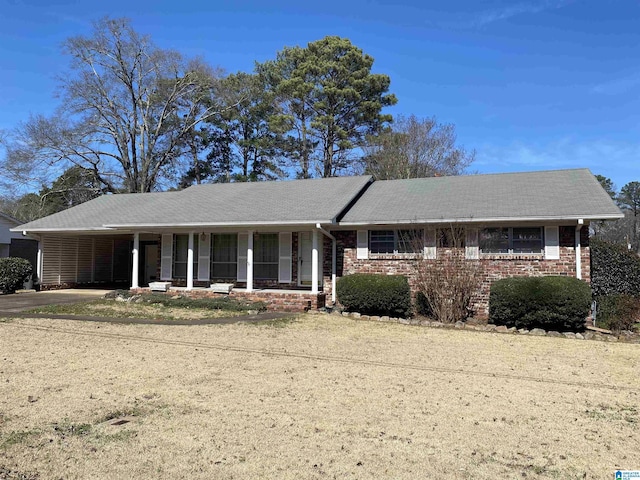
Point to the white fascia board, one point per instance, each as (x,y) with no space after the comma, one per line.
(61,230)
(551,218)
(297,223)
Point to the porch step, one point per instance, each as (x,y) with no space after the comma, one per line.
(159,286)
(221,287)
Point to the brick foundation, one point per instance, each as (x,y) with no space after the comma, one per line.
(275,301)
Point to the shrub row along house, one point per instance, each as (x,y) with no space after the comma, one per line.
(286,242)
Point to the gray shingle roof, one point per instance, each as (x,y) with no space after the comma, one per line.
(547,195)
(259,203)
(544,195)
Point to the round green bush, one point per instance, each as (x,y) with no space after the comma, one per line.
(13,273)
(375,294)
(550,303)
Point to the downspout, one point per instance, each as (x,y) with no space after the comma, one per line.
(334,251)
(578,250)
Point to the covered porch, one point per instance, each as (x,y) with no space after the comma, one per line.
(269,264)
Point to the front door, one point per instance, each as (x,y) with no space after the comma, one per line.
(305,245)
(150,263)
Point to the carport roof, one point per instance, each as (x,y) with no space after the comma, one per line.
(299,202)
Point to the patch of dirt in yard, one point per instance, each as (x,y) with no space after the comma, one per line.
(319,397)
(112,309)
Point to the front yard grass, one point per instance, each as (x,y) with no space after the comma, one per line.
(155,306)
(316,397)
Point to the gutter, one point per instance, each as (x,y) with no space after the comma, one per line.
(413,221)
(334,252)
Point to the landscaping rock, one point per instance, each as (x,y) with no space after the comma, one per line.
(375,318)
(459,324)
(355,315)
(538,332)
(365,317)
(579,336)
(501,329)
(589,335)
(490,327)
(437,324)
(554,334)
(569,334)
(512,330)
(523,331)
(384,318)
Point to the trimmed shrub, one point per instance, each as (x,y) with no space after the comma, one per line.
(614,269)
(618,312)
(551,303)
(13,273)
(375,294)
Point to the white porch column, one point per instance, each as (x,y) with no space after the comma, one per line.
(314,261)
(136,258)
(39,262)
(250,261)
(190,263)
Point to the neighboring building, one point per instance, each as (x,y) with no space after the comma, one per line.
(14,244)
(288,241)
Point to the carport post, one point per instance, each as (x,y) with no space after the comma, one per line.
(190,263)
(134,266)
(250,261)
(314,262)
(39,262)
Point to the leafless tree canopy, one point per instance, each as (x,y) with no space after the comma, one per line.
(127,107)
(416,148)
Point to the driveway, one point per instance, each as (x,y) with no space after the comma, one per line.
(18,302)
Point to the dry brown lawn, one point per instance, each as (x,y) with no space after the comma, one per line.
(113,309)
(317,397)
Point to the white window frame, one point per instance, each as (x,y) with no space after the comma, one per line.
(510,244)
(419,233)
(276,262)
(213,262)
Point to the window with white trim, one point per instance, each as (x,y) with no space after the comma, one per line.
(512,240)
(395,241)
(180,252)
(265,256)
(224,256)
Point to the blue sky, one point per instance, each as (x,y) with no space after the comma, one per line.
(530,85)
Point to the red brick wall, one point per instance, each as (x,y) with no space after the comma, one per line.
(493,267)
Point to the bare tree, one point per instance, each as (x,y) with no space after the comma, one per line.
(446,285)
(127,108)
(415,148)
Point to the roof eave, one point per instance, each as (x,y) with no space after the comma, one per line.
(550,218)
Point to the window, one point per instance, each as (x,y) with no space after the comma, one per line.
(224,256)
(180,252)
(265,256)
(395,241)
(511,240)
(450,237)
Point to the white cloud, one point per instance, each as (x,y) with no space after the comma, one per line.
(616,160)
(504,13)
